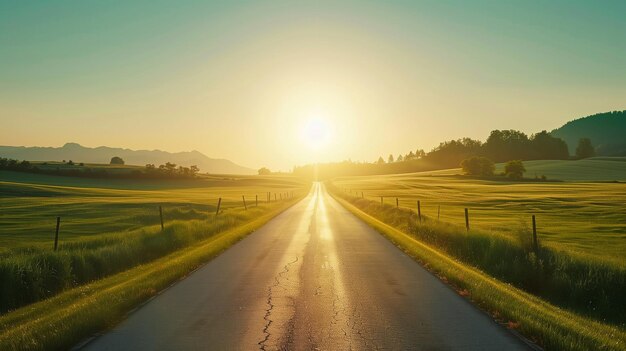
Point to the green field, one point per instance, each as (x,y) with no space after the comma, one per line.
(585,217)
(108,226)
(607,169)
(31,202)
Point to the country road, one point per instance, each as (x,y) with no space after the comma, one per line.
(313,278)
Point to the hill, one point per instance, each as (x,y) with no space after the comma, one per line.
(103,154)
(607,132)
(595,169)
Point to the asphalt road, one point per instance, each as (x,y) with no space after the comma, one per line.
(313,278)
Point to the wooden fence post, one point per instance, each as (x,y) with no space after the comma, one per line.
(275,197)
(219,204)
(438,211)
(397,203)
(243,197)
(535,243)
(56,234)
(161,215)
(381,200)
(466,219)
(362,197)
(419,210)
(256,200)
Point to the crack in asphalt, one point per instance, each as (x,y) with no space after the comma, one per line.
(268,311)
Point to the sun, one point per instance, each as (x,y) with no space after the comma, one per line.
(316,132)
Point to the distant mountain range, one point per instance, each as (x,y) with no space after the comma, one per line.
(103,154)
(607,132)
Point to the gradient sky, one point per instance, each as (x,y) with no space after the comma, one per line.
(241,80)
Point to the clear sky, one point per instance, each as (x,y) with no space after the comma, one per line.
(280,83)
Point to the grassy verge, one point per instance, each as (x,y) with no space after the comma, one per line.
(63,320)
(548,325)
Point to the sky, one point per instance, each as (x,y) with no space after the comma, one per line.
(284,83)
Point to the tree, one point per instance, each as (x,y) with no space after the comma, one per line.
(479,166)
(390,158)
(514,169)
(115,160)
(399,158)
(507,144)
(71,163)
(380,160)
(264,171)
(546,147)
(585,149)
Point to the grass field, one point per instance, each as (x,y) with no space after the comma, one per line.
(31,202)
(108,230)
(605,169)
(586,217)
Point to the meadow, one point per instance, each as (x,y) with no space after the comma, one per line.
(586,217)
(108,226)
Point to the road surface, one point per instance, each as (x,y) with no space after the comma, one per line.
(313,278)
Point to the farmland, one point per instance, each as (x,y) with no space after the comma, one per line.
(108,226)
(585,217)
(87,207)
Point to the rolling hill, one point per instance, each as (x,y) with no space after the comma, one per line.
(103,154)
(607,132)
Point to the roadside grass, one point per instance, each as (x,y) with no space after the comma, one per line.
(64,320)
(587,218)
(550,326)
(105,231)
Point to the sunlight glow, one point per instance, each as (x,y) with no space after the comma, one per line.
(316,133)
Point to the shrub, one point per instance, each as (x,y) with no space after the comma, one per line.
(514,169)
(115,160)
(478,166)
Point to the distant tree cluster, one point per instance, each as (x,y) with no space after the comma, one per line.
(8,164)
(264,171)
(167,170)
(501,145)
(171,170)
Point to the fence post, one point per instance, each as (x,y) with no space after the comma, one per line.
(535,243)
(362,195)
(381,200)
(256,200)
(438,211)
(243,197)
(275,197)
(219,203)
(56,234)
(397,203)
(161,216)
(281,197)
(419,210)
(466,219)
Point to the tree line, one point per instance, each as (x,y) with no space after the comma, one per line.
(500,146)
(150,171)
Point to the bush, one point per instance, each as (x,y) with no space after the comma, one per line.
(478,166)
(514,169)
(115,160)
